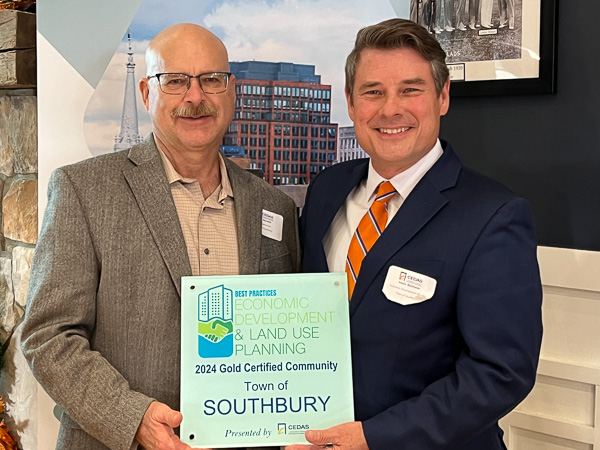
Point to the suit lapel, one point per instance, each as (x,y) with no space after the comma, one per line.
(151,190)
(248,218)
(423,203)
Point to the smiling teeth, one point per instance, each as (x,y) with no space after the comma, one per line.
(394,130)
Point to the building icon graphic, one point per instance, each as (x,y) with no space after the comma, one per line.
(215,322)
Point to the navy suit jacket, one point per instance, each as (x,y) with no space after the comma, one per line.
(440,373)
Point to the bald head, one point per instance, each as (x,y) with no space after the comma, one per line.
(183,35)
(191,122)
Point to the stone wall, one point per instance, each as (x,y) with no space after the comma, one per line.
(18,216)
(18,236)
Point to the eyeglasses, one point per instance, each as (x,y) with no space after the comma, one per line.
(179,83)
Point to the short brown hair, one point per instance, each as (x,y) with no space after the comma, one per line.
(398,33)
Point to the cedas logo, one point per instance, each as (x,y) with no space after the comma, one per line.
(215,322)
(283,428)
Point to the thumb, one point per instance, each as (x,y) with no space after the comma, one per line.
(166,415)
(318,437)
(175,419)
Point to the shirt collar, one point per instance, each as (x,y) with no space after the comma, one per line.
(173,176)
(405,181)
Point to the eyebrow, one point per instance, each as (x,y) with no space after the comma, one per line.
(420,81)
(409,81)
(369,84)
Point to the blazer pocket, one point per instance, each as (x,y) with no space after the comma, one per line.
(278,264)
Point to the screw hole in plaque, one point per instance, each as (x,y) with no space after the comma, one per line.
(192,437)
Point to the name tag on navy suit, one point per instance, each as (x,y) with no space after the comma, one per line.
(406,287)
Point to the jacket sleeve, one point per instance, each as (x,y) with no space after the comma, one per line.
(498,313)
(60,321)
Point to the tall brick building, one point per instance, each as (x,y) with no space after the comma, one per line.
(282,119)
(348,146)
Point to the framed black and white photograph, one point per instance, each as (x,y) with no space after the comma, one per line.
(494,47)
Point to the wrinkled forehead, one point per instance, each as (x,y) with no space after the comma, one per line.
(188,54)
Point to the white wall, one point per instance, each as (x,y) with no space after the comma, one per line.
(563,410)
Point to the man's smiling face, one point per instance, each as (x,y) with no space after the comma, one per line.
(395,107)
(193,121)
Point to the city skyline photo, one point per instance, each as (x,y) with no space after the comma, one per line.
(313,32)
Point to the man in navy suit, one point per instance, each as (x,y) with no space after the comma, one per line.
(446,311)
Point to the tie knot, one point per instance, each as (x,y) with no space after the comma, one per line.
(385,191)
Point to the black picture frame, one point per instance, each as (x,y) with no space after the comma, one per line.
(545,83)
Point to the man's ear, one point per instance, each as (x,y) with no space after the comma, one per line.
(144,89)
(444,98)
(350,104)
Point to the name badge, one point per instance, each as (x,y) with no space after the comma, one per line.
(406,287)
(272,225)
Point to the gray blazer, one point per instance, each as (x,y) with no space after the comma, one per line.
(102,328)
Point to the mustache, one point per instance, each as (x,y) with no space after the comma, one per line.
(195,111)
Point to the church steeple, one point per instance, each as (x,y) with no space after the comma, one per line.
(129,134)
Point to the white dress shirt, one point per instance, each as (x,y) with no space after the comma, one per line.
(337,239)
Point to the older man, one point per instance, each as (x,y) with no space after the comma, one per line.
(445,310)
(102,330)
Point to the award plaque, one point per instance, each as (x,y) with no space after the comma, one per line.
(264,358)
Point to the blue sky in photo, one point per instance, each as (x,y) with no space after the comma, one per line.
(315,32)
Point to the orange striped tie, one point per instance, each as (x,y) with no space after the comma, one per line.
(368,231)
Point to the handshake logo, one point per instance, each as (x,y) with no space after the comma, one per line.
(215,322)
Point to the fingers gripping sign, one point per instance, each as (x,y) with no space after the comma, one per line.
(347,436)
(156,429)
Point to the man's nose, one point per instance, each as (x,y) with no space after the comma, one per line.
(194,94)
(393,104)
